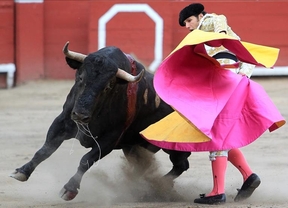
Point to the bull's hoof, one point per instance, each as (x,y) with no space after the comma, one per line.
(19,176)
(67,195)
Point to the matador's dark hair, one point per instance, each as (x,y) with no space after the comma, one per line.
(191,10)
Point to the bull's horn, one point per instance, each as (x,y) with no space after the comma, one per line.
(128,77)
(73,55)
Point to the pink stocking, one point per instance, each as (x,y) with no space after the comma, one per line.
(219,166)
(236,157)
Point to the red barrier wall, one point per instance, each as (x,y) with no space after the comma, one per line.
(6,35)
(6,31)
(33,40)
(64,21)
(29,42)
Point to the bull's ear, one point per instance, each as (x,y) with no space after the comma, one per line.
(73,63)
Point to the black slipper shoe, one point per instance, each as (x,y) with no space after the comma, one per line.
(217,199)
(248,187)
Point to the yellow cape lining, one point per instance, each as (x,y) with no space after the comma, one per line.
(174,128)
(265,55)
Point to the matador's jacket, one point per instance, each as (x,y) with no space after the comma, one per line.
(218,23)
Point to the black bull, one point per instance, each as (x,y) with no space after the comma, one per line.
(112,100)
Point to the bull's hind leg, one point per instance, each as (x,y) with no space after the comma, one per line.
(139,158)
(57,133)
(180,163)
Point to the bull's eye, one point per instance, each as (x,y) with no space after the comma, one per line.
(79,77)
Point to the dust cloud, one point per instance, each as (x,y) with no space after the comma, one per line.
(129,181)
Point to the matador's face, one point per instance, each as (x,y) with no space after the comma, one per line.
(192,22)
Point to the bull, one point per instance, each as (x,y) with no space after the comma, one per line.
(111,101)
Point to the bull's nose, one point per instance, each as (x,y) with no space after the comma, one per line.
(79,117)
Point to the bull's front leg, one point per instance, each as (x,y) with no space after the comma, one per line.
(70,189)
(60,130)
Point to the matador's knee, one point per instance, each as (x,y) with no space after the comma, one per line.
(214,154)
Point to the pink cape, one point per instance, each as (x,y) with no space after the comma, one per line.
(229,108)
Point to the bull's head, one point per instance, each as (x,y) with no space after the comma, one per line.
(95,74)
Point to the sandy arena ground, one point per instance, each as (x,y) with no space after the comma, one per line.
(27,112)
